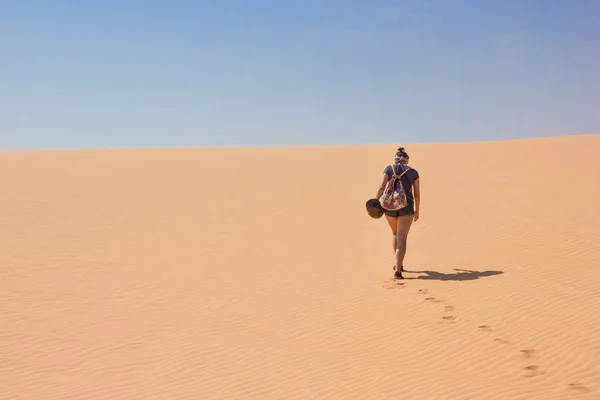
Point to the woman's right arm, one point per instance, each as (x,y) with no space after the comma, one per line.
(417,195)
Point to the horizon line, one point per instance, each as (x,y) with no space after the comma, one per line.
(280,146)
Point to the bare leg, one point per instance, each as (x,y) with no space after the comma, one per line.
(404,224)
(393,222)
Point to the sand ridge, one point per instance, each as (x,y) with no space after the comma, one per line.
(257,274)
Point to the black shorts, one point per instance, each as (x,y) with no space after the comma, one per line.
(408,210)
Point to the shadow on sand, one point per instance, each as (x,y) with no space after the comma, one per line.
(461,275)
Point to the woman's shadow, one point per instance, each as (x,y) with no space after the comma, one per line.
(461,275)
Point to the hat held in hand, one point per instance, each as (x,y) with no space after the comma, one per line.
(374,208)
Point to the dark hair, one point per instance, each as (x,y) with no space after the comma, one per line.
(401,152)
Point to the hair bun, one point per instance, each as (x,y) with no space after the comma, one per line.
(401,149)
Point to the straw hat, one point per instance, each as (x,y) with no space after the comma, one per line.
(374,208)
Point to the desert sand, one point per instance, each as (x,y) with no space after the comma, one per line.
(256,273)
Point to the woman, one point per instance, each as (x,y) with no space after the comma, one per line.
(401,220)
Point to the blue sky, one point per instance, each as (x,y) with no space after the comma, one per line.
(88,74)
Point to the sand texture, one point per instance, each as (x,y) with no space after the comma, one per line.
(255,273)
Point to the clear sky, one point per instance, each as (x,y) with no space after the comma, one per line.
(87,74)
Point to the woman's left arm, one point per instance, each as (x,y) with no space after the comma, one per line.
(382,186)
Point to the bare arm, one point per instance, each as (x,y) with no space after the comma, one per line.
(382,186)
(417,195)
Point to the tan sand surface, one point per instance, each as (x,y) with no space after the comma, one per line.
(255,273)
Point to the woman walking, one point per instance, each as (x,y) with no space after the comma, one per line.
(401,220)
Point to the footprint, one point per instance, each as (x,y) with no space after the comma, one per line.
(500,340)
(485,328)
(530,353)
(579,387)
(393,285)
(448,308)
(450,318)
(423,291)
(433,299)
(532,370)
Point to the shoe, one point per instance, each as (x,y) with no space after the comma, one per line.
(398,275)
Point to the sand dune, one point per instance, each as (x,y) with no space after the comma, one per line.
(256,274)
